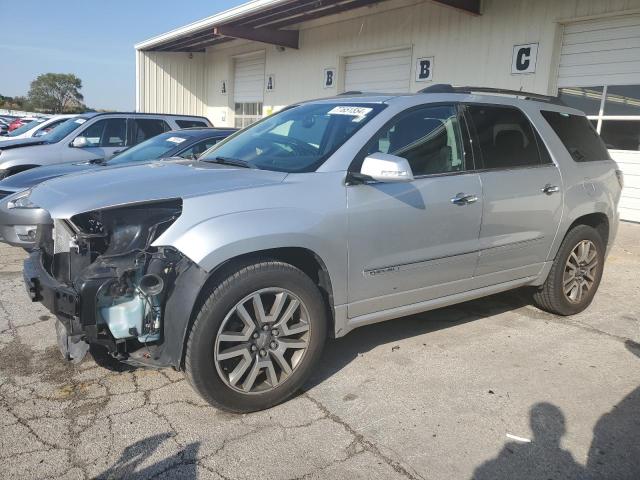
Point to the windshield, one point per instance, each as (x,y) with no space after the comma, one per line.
(298,139)
(64,129)
(155,147)
(25,128)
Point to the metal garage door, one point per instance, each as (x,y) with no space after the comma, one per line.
(248,88)
(387,72)
(600,74)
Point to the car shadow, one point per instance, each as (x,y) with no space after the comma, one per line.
(338,353)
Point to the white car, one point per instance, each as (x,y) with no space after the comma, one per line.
(36,128)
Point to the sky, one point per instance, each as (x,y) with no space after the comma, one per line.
(92,39)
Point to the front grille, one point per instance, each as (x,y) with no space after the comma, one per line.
(62,237)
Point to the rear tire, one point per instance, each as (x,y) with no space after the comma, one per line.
(575,275)
(256,338)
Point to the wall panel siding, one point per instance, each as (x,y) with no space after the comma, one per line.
(171,83)
(467,49)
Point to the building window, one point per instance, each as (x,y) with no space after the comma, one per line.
(247,113)
(613,109)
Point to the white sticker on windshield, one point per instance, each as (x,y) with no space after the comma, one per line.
(358,112)
(80,121)
(176,140)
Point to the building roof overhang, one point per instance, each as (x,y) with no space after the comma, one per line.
(263,21)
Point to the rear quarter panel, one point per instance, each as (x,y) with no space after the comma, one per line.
(588,187)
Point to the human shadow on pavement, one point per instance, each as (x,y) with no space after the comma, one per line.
(542,458)
(130,464)
(338,353)
(615,448)
(614,451)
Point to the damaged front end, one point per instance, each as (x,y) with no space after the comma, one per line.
(100,275)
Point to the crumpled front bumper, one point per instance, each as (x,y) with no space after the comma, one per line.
(60,300)
(76,312)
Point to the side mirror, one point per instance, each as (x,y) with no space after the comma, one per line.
(79,142)
(383,167)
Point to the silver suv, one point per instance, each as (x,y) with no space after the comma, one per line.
(324,217)
(87,137)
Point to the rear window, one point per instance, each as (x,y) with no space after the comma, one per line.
(506,137)
(191,123)
(578,136)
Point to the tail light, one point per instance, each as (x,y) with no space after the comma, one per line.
(620,176)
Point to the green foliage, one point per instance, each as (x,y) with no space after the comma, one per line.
(56,93)
(14,103)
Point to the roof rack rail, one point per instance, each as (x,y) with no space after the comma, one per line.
(350,92)
(447,88)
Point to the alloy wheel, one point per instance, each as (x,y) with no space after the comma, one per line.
(262,340)
(580,271)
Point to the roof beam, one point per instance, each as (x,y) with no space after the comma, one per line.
(282,38)
(470,6)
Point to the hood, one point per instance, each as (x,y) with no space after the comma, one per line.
(69,195)
(35,176)
(21,142)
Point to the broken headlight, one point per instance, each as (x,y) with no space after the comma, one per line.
(21,200)
(126,229)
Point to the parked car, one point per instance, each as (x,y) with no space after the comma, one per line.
(19,122)
(89,136)
(37,128)
(4,127)
(18,226)
(319,219)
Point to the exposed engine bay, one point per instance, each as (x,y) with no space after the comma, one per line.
(112,285)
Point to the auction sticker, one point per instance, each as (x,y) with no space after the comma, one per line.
(176,140)
(358,112)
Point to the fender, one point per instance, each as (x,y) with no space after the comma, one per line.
(219,239)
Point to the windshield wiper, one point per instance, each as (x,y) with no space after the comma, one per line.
(236,162)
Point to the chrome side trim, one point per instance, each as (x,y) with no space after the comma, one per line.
(404,267)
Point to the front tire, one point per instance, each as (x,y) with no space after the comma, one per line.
(575,275)
(256,338)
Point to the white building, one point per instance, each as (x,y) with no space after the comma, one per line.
(252,60)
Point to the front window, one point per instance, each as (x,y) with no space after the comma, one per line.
(156,147)
(247,113)
(427,137)
(298,139)
(110,132)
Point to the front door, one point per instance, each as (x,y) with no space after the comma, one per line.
(103,139)
(522,193)
(412,242)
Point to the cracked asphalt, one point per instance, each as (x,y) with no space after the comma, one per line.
(491,389)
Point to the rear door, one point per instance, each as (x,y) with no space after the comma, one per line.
(522,194)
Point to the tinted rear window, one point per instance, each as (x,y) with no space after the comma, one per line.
(506,137)
(190,123)
(578,136)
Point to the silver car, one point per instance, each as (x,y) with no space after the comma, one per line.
(88,137)
(325,217)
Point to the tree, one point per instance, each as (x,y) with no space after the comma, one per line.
(56,92)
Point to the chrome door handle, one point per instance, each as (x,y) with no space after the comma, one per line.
(550,189)
(464,199)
